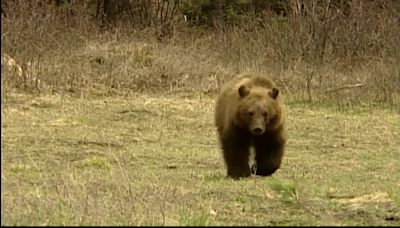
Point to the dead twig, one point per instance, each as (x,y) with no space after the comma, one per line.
(344,87)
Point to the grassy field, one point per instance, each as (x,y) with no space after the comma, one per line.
(154,160)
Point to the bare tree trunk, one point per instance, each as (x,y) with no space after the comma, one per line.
(214,12)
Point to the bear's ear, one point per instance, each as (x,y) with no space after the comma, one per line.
(243,90)
(274,92)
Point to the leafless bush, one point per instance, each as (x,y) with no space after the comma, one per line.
(322,46)
(320,49)
(138,14)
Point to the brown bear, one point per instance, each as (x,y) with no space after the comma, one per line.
(249,113)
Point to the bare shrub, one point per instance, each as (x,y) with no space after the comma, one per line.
(317,50)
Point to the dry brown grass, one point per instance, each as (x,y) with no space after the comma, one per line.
(151,160)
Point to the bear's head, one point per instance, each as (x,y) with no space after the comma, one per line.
(259,109)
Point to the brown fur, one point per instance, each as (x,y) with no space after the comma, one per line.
(249,113)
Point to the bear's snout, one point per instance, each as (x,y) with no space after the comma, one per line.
(258,131)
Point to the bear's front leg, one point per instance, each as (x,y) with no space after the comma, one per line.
(269,153)
(267,166)
(236,155)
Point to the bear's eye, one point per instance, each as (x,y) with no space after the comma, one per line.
(264,114)
(251,113)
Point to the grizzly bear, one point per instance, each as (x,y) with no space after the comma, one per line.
(249,113)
